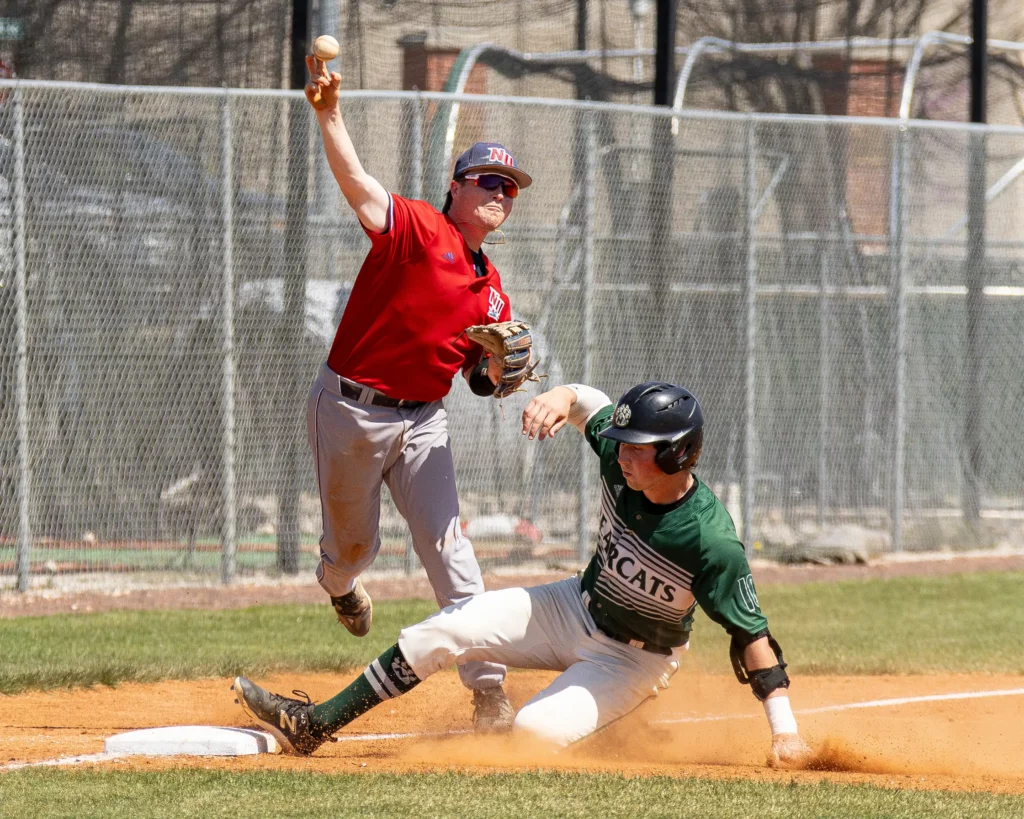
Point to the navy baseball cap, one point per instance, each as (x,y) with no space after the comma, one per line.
(490,157)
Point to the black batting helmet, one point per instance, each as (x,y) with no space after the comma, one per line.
(657,412)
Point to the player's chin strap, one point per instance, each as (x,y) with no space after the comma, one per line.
(499,241)
(763,681)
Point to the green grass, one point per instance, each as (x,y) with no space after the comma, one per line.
(140,646)
(191,793)
(960,623)
(967,623)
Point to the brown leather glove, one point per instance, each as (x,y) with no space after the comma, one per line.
(509,343)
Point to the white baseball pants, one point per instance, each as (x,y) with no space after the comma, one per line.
(544,627)
(358,446)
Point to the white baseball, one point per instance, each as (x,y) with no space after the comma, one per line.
(325,47)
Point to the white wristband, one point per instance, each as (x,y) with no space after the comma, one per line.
(588,402)
(780,715)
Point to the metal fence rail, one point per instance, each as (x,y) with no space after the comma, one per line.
(804,276)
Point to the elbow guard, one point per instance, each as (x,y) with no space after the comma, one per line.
(763,681)
(479,381)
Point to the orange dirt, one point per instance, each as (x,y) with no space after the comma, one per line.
(967,744)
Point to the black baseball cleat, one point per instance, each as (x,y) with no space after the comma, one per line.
(492,712)
(286,718)
(354,610)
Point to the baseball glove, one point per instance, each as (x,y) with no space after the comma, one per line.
(510,344)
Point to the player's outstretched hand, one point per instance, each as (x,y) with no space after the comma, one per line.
(547,412)
(323,87)
(789,751)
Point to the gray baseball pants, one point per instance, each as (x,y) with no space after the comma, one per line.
(356,446)
(546,627)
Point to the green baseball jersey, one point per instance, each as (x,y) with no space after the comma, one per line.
(652,567)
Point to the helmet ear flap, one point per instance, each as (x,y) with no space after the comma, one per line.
(673,458)
(667,458)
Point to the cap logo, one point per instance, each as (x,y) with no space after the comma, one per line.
(502,156)
(622,415)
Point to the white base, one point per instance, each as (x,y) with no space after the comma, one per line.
(192,740)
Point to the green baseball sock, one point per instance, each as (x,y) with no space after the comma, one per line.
(387,677)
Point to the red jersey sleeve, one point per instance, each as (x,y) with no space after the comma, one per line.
(411,224)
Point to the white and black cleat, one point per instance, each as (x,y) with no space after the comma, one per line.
(287,718)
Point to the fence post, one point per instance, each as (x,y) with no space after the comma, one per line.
(24,544)
(417,148)
(898,268)
(750,296)
(583,545)
(228,533)
(409,560)
(824,368)
(975,276)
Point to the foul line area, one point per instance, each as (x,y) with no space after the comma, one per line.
(828,709)
(825,709)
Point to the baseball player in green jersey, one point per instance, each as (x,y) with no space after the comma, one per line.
(665,545)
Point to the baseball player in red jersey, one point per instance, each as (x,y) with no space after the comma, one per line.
(375,410)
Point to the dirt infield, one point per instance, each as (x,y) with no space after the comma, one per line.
(971,744)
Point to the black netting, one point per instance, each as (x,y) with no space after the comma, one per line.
(238,43)
(245,43)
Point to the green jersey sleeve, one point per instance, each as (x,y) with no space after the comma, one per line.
(599,422)
(724,588)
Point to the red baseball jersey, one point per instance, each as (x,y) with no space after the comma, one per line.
(416,292)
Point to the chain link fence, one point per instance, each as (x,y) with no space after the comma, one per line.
(174,264)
